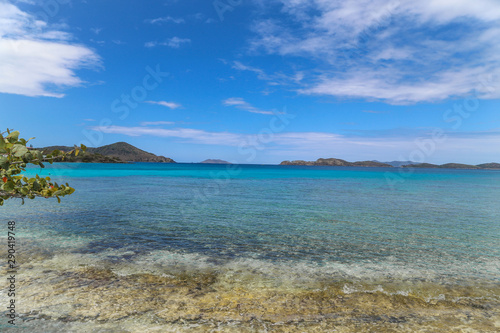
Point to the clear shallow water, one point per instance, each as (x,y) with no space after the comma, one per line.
(260,246)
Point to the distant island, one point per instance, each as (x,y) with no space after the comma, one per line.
(337,162)
(120,152)
(454,166)
(215,161)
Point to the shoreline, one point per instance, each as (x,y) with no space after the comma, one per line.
(164,290)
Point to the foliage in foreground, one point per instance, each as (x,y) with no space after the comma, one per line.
(15,156)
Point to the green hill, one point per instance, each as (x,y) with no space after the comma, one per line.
(129,153)
(120,152)
(489,165)
(458,166)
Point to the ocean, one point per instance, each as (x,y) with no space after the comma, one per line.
(150,247)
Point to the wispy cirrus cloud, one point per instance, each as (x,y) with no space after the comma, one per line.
(36,60)
(241,104)
(151,44)
(166,19)
(174,42)
(170,105)
(260,73)
(190,135)
(272,79)
(219,138)
(399,51)
(198,17)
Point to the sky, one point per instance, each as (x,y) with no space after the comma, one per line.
(254,81)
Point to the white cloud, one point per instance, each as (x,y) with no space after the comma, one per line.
(274,79)
(174,42)
(177,42)
(240,103)
(166,19)
(400,52)
(241,67)
(446,10)
(35,60)
(387,86)
(170,105)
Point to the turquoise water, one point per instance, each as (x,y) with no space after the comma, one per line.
(435,235)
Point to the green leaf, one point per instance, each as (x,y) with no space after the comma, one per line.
(4,162)
(36,186)
(19,150)
(13,135)
(9,186)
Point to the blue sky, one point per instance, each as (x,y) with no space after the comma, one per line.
(254,81)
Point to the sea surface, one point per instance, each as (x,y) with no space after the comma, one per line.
(149,247)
